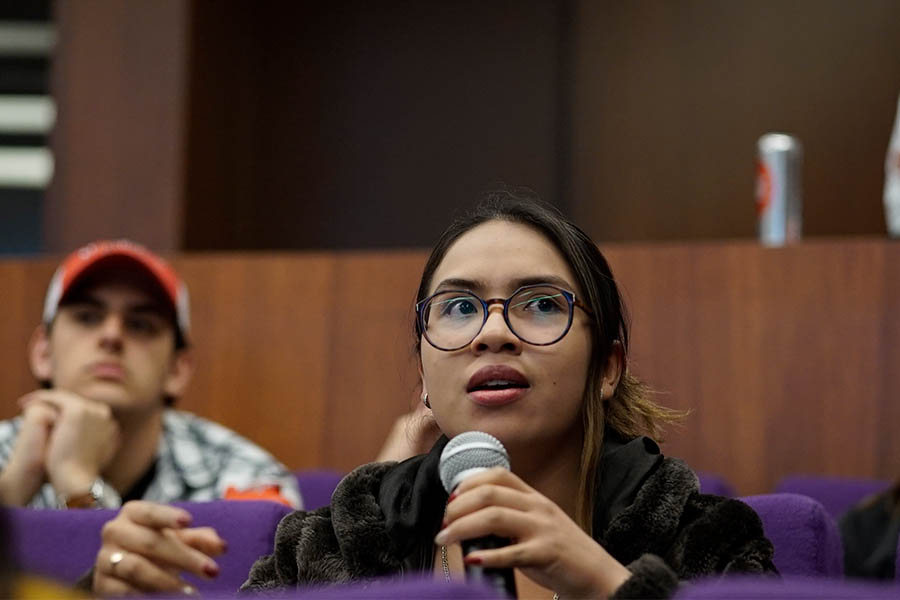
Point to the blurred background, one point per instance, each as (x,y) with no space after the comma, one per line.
(203,125)
(291,157)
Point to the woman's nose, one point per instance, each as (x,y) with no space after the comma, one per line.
(496,335)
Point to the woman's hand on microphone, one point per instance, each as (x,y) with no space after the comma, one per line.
(546,545)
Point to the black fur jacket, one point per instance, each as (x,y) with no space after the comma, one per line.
(650,516)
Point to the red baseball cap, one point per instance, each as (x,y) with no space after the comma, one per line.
(86,260)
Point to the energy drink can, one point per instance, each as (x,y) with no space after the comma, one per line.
(892,180)
(779,200)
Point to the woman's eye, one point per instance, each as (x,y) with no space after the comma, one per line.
(459,307)
(544,304)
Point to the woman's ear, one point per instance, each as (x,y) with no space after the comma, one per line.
(615,365)
(422,381)
(421,376)
(40,357)
(180,372)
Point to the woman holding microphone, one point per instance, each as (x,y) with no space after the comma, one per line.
(521,333)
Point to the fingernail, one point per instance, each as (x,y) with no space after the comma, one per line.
(452,496)
(211,569)
(441,538)
(443,523)
(472,560)
(224,546)
(189,590)
(183,519)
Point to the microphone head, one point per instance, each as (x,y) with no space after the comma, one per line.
(467,454)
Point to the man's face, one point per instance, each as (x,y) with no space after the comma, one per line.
(113,343)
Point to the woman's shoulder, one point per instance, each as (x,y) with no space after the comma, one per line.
(354,505)
(340,542)
(671,518)
(699,512)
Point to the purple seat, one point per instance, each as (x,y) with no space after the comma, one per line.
(414,588)
(62,544)
(837,494)
(796,588)
(710,483)
(316,486)
(805,536)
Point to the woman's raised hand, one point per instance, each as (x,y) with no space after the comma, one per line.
(546,545)
(147,546)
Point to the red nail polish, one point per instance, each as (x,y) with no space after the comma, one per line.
(211,569)
(452,496)
(472,560)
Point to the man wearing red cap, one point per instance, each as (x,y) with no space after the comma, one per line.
(112,354)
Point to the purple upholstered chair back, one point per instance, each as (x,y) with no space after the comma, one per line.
(62,544)
(710,483)
(837,494)
(805,536)
(316,486)
(795,588)
(415,588)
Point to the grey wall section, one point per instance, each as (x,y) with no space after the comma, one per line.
(20,221)
(365,124)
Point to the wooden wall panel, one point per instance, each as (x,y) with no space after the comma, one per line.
(119,79)
(782,355)
(356,124)
(787,357)
(262,329)
(372,377)
(670,98)
(22,287)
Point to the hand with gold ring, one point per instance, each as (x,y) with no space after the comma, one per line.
(147,546)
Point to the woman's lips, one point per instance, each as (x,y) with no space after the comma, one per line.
(496,385)
(497,397)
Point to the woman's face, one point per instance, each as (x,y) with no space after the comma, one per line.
(493,260)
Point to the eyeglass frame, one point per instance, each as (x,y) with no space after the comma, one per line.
(571,300)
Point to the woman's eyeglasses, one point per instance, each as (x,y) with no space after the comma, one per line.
(536,314)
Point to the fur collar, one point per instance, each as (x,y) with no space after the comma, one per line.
(383,518)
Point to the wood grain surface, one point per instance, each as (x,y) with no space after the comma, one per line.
(788,358)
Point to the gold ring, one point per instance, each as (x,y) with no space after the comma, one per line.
(115,558)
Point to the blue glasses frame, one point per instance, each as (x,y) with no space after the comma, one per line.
(571,300)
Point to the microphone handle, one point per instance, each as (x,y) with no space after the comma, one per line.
(502,580)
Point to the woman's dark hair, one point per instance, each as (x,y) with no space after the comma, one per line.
(629,411)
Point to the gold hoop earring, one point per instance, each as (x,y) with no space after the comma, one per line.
(425,400)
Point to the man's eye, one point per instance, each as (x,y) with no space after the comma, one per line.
(88,316)
(145,325)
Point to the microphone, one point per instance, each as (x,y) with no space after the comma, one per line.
(465,455)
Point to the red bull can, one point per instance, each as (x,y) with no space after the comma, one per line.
(779,200)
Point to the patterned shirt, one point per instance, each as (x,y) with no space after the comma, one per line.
(196,461)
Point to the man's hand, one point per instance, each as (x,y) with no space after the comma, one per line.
(25,473)
(83,441)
